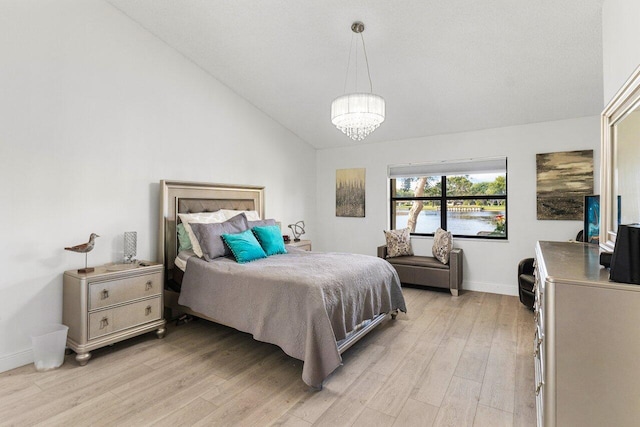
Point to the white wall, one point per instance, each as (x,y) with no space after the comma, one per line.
(620,43)
(490,266)
(94,112)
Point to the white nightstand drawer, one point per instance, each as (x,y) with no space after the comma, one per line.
(104,294)
(127,316)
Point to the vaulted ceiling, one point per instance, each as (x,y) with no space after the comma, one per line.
(442,66)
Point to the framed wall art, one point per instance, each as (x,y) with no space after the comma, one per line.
(350,192)
(563,179)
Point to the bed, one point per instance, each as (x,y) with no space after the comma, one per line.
(314,306)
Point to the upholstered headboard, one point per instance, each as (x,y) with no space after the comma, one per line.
(191,197)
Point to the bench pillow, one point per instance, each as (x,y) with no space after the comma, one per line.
(398,242)
(442,245)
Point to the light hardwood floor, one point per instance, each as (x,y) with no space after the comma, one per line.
(449,362)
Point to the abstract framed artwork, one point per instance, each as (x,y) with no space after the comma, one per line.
(350,192)
(591,219)
(563,179)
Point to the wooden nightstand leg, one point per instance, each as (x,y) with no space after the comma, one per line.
(83,358)
(160,332)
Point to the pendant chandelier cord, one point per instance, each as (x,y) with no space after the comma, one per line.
(366,58)
(346,77)
(364,48)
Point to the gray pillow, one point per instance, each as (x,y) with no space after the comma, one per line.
(208,235)
(261,223)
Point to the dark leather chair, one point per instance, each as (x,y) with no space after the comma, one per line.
(525,282)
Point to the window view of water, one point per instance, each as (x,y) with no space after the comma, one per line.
(458,223)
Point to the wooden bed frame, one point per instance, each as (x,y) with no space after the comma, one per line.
(185,197)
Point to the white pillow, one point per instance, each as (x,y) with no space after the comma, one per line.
(251,215)
(203,218)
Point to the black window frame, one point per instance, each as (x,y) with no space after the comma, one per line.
(443,198)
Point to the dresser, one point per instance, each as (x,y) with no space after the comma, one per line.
(587,340)
(113,303)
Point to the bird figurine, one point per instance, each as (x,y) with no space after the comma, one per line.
(84,248)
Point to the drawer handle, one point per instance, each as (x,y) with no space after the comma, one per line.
(104,322)
(147,311)
(536,351)
(105,294)
(537,342)
(149,285)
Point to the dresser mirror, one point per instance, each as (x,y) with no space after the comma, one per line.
(620,172)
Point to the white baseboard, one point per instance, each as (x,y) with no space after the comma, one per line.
(15,360)
(492,288)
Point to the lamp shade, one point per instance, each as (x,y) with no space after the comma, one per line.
(357,114)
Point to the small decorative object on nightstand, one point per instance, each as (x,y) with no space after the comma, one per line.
(107,306)
(84,248)
(305,245)
(130,246)
(297,229)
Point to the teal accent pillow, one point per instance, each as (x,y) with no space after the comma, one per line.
(184,242)
(244,246)
(270,239)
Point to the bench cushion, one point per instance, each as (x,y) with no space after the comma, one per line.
(428,271)
(420,261)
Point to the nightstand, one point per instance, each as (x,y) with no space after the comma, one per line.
(305,245)
(111,304)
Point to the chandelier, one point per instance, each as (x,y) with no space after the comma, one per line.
(358,114)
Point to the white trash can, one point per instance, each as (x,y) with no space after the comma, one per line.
(48,346)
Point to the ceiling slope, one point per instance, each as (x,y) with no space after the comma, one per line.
(442,67)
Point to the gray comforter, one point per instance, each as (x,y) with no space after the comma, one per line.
(304,302)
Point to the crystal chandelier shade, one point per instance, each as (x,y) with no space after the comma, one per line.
(358,114)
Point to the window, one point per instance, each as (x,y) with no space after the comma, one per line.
(467,198)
